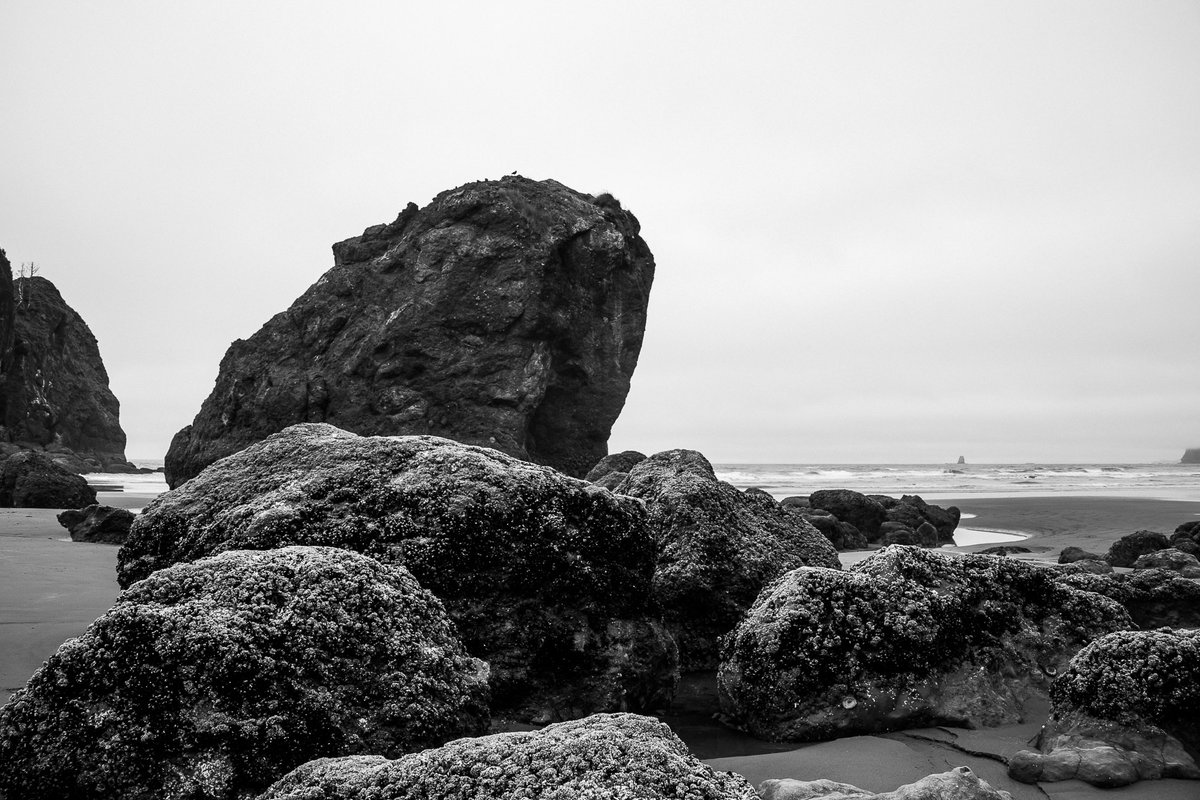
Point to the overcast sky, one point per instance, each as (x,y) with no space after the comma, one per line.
(885,232)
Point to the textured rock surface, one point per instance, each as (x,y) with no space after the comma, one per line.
(213,679)
(717,548)
(615,463)
(1153,597)
(602,757)
(906,638)
(842,535)
(1171,559)
(547,577)
(913,512)
(29,479)
(1125,551)
(505,313)
(1127,709)
(854,507)
(956,784)
(1096,566)
(1070,555)
(54,385)
(97,523)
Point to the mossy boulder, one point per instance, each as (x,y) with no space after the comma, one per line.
(1127,709)
(213,679)
(548,578)
(601,757)
(1153,597)
(30,479)
(907,637)
(717,547)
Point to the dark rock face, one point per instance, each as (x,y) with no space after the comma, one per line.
(1127,709)
(547,577)
(615,462)
(842,535)
(1003,550)
(600,757)
(1070,555)
(959,783)
(29,479)
(849,506)
(1126,550)
(213,679)
(507,314)
(717,548)
(1191,456)
(913,512)
(97,523)
(54,390)
(906,638)
(1153,597)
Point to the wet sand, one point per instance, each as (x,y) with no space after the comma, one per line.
(51,589)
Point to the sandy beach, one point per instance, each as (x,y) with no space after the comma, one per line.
(52,588)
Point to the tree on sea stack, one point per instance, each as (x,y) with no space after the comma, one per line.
(507,314)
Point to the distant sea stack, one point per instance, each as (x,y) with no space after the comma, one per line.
(1191,456)
(506,313)
(54,393)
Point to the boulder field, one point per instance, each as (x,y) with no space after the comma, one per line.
(908,637)
(548,578)
(507,314)
(211,680)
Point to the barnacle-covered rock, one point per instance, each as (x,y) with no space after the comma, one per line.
(1153,597)
(213,679)
(601,757)
(547,577)
(717,547)
(1125,551)
(1126,709)
(1171,558)
(959,783)
(907,637)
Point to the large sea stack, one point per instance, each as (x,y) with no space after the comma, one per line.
(1191,456)
(54,393)
(507,314)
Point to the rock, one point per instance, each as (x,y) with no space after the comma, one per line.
(29,479)
(1126,550)
(1003,550)
(1191,456)
(507,314)
(1153,597)
(1171,559)
(899,535)
(842,535)
(213,679)
(717,548)
(1095,566)
(1070,555)
(859,510)
(959,783)
(612,480)
(1191,528)
(909,637)
(913,512)
(600,757)
(97,523)
(615,462)
(548,578)
(1126,709)
(54,391)
(800,502)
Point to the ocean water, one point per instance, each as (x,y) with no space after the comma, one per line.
(1166,481)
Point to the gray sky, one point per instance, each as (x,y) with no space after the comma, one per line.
(885,232)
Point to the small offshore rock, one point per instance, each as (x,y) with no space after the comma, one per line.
(600,757)
(717,548)
(959,783)
(29,479)
(97,523)
(1126,709)
(210,680)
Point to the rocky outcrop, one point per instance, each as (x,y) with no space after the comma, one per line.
(842,535)
(548,578)
(97,523)
(1172,559)
(1125,551)
(54,393)
(906,638)
(959,783)
(914,513)
(211,680)
(29,479)
(717,548)
(597,758)
(507,314)
(619,463)
(1153,597)
(884,519)
(1127,709)
(1191,456)
(854,507)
